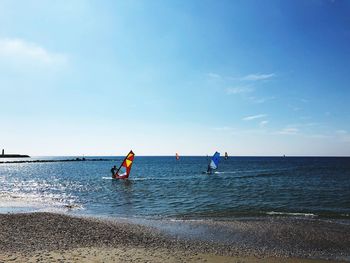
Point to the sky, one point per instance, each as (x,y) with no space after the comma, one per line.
(251,78)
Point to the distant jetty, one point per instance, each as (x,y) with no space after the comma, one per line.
(3,155)
(59,160)
(13,156)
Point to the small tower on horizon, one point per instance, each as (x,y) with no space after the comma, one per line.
(3,152)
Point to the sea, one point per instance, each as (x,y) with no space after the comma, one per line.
(161,187)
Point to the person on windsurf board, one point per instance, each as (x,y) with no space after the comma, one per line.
(214,162)
(226,156)
(124,169)
(209,170)
(113,170)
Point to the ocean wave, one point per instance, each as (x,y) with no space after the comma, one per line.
(37,202)
(159,178)
(227,172)
(257,175)
(291,214)
(151,178)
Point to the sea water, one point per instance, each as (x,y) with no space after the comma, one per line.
(166,188)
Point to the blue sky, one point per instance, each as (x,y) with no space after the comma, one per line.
(159,77)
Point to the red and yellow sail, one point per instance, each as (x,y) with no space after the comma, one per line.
(124,169)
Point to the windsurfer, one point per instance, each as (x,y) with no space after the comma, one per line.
(213,165)
(209,170)
(124,169)
(113,171)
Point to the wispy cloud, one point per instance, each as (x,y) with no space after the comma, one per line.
(343,135)
(256,77)
(289,131)
(305,118)
(346,139)
(313,124)
(214,75)
(341,132)
(304,100)
(19,51)
(319,136)
(260,100)
(263,123)
(254,117)
(224,128)
(239,90)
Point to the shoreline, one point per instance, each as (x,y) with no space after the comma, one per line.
(32,236)
(141,254)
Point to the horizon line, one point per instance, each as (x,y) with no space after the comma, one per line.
(189,155)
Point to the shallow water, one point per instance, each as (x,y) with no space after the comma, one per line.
(161,187)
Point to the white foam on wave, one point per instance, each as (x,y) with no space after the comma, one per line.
(11,202)
(187,220)
(158,178)
(291,214)
(149,178)
(226,172)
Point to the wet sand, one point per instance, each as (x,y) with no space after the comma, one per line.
(131,254)
(47,237)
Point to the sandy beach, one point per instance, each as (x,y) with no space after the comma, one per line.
(47,237)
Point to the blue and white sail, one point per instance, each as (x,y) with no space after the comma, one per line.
(214,163)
